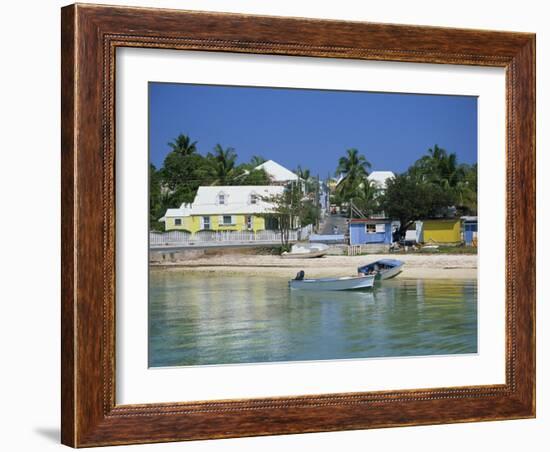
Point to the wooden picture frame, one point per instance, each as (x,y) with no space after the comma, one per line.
(90,36)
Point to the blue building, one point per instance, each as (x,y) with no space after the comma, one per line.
(371,231)
(469,230)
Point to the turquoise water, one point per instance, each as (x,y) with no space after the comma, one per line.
(199,319)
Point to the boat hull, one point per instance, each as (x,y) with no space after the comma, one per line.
(388,268)
(324,284)
(306,251)
(304,255)
(392,272)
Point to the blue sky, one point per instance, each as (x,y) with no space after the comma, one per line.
(311,128)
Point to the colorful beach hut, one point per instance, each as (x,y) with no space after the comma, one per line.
(469,230)
(440,231)
(376,233)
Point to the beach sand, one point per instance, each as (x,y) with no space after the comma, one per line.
(416,265)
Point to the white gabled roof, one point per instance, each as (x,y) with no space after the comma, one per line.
(380,178)
(237,200)
(277,172)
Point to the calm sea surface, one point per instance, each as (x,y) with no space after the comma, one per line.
(197,319)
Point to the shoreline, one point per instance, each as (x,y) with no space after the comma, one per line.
(416,266)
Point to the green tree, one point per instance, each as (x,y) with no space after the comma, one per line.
(257,160)
(467,190)
(183,171)
(310,184)
(182,145)
(252,177)
(354,167)
(407,199)
(303,173)
(366,197)
(183,174)
(251,165)
(336,198)
(155,198)
(223,164)
(288,209)
(309,213)
(438,167)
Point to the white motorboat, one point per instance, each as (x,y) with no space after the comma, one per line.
(306,250)
(342,283)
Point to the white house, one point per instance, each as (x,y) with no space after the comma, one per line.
(380,178)
(278,173)
(226,208)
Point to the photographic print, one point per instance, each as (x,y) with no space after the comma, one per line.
(302,224)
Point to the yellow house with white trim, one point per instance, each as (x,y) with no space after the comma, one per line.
(224,208)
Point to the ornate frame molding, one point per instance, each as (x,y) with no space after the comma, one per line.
(90,37)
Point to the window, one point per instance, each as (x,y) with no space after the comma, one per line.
(249,222)
(221,198)
(375,228)
(177,221)
(206,222)
(227,220)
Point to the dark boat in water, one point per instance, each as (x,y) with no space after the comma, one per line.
(383,269)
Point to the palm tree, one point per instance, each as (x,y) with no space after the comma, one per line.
(365,198)
(223,164)
(304,173)
(310,184)
(440,168)
(183,145)
(354,167)
(466,189)
(256,160)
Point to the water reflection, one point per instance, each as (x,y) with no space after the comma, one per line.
(197,319)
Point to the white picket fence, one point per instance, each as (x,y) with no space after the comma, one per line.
(212,238)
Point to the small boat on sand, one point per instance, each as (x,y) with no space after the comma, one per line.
(343,283)
(306,250)
(382,269)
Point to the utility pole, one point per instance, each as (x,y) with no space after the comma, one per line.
(317,204)
(328,193)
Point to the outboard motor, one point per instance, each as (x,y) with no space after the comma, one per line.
(300,276)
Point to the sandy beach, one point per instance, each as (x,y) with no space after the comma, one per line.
(416,266)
